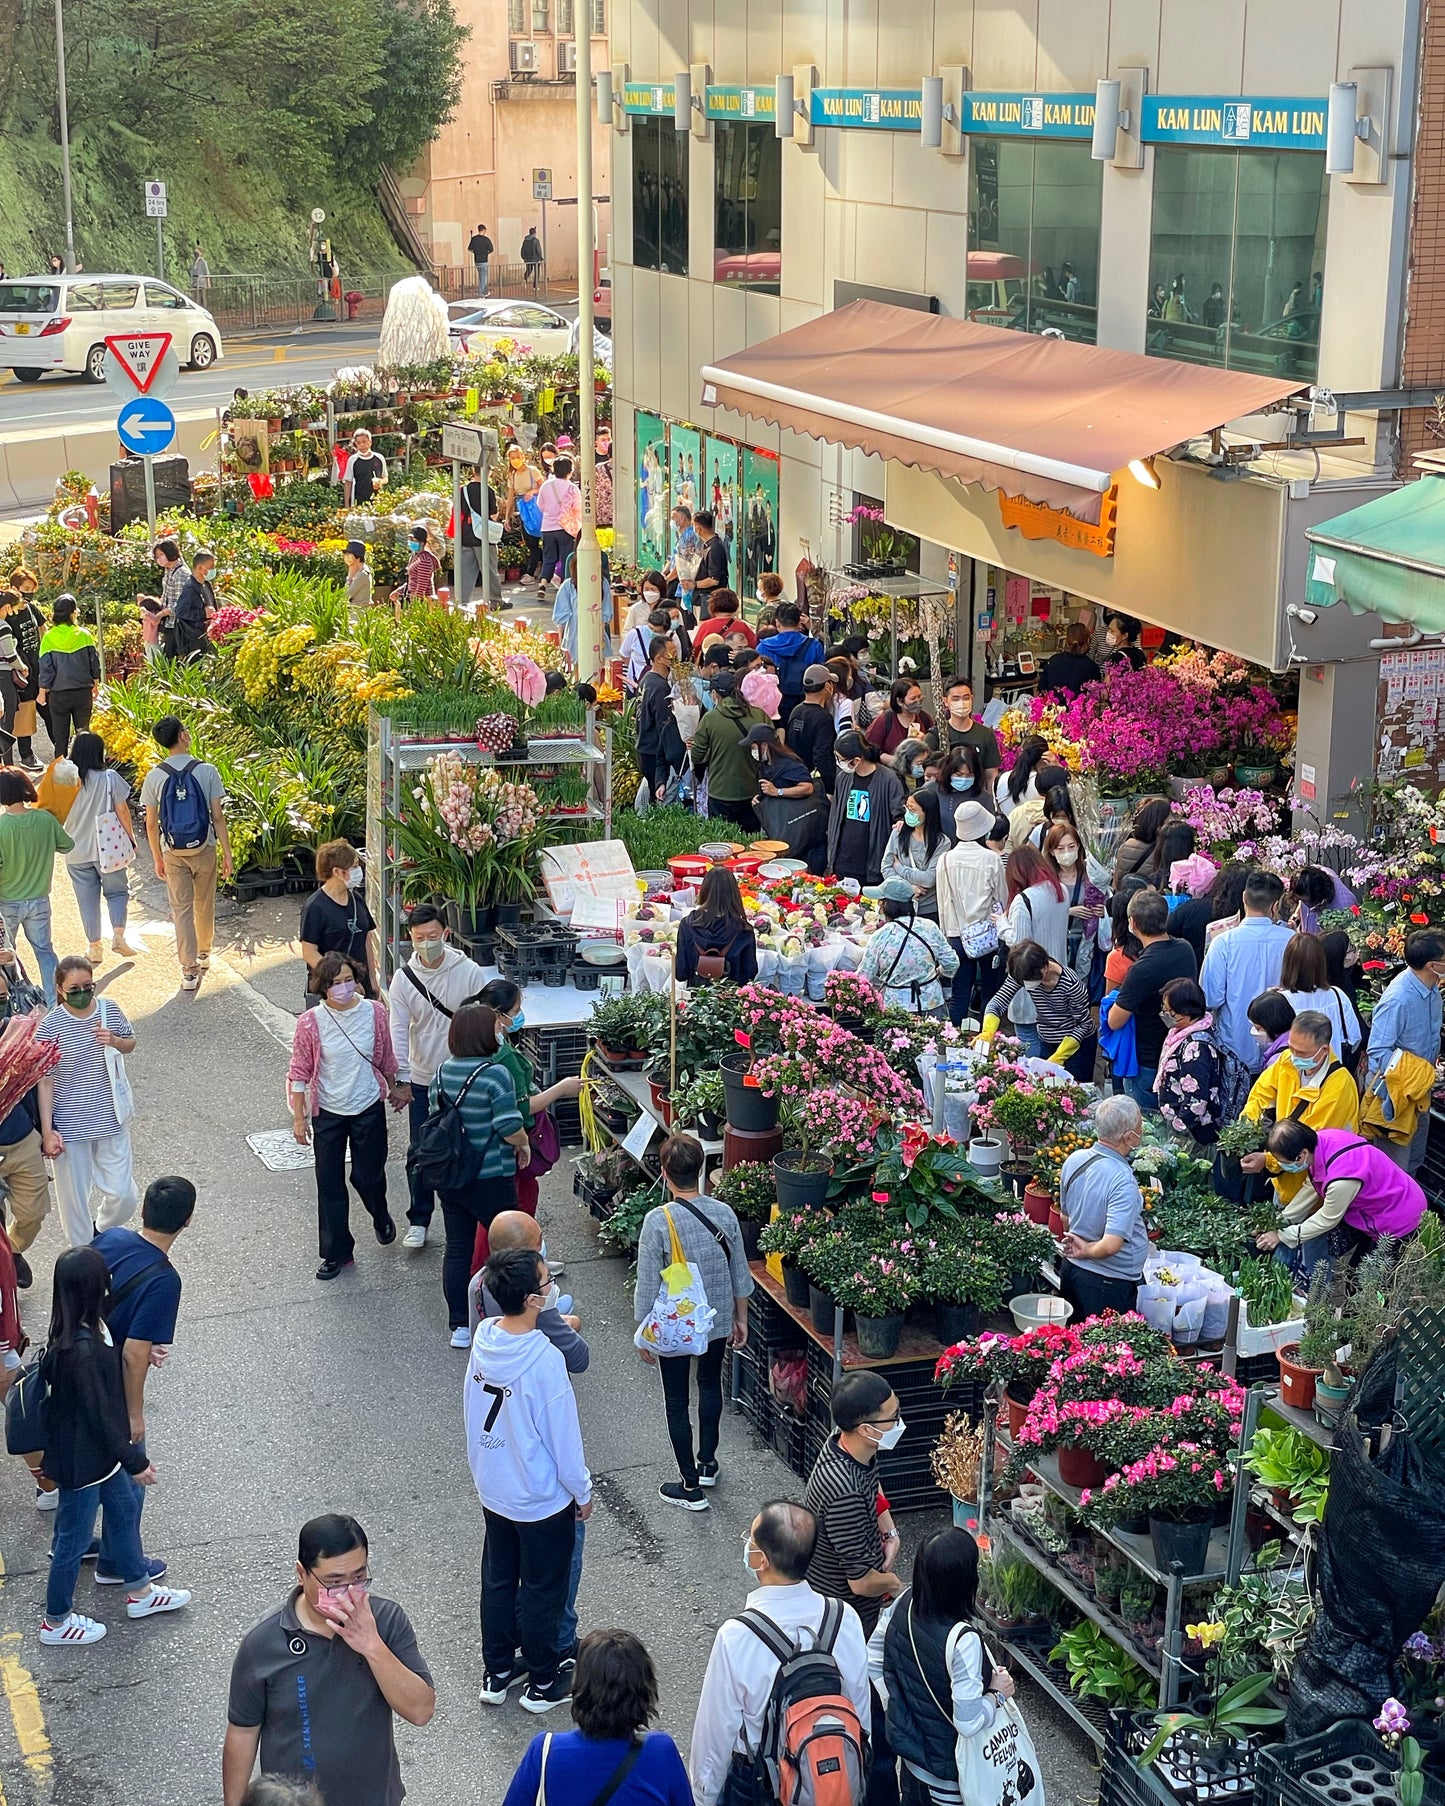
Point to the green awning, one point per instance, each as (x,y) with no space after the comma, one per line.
(1386,558)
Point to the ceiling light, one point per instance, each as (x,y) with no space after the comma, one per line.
(1142,470)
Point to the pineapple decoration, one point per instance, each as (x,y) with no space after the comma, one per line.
(495,733)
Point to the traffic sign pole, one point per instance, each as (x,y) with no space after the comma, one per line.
(160,251)
(148,460)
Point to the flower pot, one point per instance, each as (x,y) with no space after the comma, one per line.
(1058,1222)
(270,880)
(747,1106)
(1329,1401)
(751,1229)
(1080,1467)
(1133,1523)
(1254,777)
(822,1309)
(1037,1204)
(955,1322)
(508,915)
(1018,1410)
(878,1337)
(1296,1383)
(469,922)
(661,1103)
(795,1285)
(985,1156)
(708,1126)
(1182,1540)
(965,1515)
(801,1187)
(1017,1176)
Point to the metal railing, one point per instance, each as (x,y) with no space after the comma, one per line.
(247,301)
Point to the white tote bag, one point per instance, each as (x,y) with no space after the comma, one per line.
(681,1318)
(115,849)
(121,1096)
(996,1767)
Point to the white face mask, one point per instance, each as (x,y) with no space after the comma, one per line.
(355,878)
(1260,1036)
(893,1435)
(550,1297)
(748,1549)
(1067,855)
(651,595)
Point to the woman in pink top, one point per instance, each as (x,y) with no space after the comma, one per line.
(561,503)
(422,566)
(1354,1193)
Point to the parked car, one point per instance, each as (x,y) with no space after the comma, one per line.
(540,329)
(62,322)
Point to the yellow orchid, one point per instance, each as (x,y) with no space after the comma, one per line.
(1205,1634)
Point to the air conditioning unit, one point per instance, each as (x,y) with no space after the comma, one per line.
(566,59)
(524,57)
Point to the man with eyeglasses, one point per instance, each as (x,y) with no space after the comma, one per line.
(299,1696)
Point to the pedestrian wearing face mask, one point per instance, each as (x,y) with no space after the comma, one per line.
(909,765)
(1099,1196)
(422,567)
(533,1102)
(430,988)
(914,850)
(905,718)
(956,779)
(1087,901)
(1304,1083)
(85,1105)
(1350,1194)
(342,1075)
(867,801)
(336,918)
(1059,1018)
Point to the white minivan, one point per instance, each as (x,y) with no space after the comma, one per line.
(62,322)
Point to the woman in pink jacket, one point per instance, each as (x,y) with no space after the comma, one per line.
(342,1075)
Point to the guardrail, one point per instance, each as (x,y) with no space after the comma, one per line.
(251,302)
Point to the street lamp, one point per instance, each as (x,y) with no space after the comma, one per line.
(588,570)
(64,136)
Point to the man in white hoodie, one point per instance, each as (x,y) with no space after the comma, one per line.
(524,1445)
(425,994)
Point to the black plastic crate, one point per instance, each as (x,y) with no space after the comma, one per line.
(1432,1168)
(585,977)
(1346,1765)
(1182,1772)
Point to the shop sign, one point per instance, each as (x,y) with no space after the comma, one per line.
(741,103)
(1292,123)
(648,97)
(1028,115)
(1036,520)
(871,109)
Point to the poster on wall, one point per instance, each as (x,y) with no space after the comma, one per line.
(760,516)
(684,445)
(652,529)
(721,464)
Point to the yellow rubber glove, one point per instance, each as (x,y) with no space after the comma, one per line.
(990,1028)
(1066,1047)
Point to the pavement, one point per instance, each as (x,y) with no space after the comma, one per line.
(285,1397)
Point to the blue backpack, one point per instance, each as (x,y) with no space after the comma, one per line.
(185,812)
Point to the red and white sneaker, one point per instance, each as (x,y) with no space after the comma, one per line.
(157,1600)
(75,1630)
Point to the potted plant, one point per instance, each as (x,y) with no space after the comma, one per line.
(1176,1485)
(854,1003)
(699,1103)
(1295,1469)
(828,1260)
(748,1187)
(1236,1139)
(1018,1246)
(1099,1669)
(924,1175)
(878,1287)
(955,1462)
(749,1107)
(787,1235)
(1232,1715)
(1301,1363)
(964,1283)
(1012,1595)
(624,1027)
(1017,1363)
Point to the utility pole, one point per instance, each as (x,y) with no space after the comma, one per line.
(589,553)
(64,136)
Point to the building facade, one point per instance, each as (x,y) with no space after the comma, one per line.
(1212,235)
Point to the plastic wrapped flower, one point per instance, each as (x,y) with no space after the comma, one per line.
(524,678)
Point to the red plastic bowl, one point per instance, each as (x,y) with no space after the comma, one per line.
(689,866)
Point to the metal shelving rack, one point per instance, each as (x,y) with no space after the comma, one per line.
(392,759)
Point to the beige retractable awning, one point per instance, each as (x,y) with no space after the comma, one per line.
(1041,418)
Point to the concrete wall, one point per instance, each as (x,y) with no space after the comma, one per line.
(30,463)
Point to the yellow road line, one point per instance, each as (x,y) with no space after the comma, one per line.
(24,1702)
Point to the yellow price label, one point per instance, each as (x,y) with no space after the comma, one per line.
(474,400)
(1415,756)
(547,401)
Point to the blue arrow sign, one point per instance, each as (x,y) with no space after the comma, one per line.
(146,425)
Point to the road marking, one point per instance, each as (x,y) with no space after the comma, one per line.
(24,1703)
(279,355)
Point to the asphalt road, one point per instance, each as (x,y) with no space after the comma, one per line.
(285,1397)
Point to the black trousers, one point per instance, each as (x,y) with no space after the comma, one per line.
(742,814)
(1080,1065)
(461,1212)
(656,771)
(676,1380)
(69,714)
(983,976)
(883,1774)
(525,1570)
(366,1136)
(1092,1293)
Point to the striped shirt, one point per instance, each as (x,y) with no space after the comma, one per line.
(842,1495)
(1063,1013)
(489,1111)
(84,1107)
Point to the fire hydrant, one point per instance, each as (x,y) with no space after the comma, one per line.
(354,299)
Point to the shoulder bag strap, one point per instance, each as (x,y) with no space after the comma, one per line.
(832,1623)
(1302,1104)
(619,1774)
(435,1002)
(467,1084)
(542,1777)
(768,1634)
(712,1229)
(944,1712)
(1082,1167)
(370,1058)
(131,1284)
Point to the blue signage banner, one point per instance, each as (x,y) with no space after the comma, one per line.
(648,97)
(1241,123)
(742,103)
(1028,115)
(869,109)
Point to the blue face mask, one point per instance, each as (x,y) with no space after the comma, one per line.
(1301,1064)
(917,770)
(960,784)
(1293,1166)
(517,1022)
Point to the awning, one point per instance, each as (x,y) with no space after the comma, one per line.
(1386,558)
(1042,418)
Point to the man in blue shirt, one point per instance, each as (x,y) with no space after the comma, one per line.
(1245,962)
(1106,1243)
(1407,1017)
(145,1298)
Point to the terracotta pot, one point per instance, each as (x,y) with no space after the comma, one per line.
(1058,1223)
(1296,1383)
(1080,1467)
(1037,1203)
(1018,1410)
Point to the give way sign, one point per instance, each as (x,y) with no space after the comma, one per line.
(139,355)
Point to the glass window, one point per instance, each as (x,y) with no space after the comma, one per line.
(1033,236)
(83,298)
(659,195)
(748,207)
(29,297)
(118,294)
(1236,255)
(156,296)
(564,18)
(599,18)
(539,16)
(517,17)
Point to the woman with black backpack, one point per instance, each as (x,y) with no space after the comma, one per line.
(90,1456)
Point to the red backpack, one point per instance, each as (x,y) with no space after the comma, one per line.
(812,1750)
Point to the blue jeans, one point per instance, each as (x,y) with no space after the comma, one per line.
(1141,1089)
(118,1498)
(34,913)
(567,1623)
(90,884)
(1303,1260)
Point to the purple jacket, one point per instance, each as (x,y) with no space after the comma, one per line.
(1389,1202)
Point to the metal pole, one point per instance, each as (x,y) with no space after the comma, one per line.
(588,569)
(458,600)
(148,460)
(160,249)
(546,281)
(486,552)
(64,136)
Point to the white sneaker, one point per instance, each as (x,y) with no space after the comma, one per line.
(415,1236)
(75,1630)
(47,1501)
(461,1337)
(191,981)
(158,1599)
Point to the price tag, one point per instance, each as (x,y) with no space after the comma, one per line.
(547,401)
(742,1037)
(639,1135)
(474,400)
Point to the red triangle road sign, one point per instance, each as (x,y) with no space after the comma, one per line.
(139,355)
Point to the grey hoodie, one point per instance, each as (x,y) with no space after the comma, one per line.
(524,1443)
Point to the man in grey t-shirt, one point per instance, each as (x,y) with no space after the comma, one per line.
(184,802)
(1106,1244)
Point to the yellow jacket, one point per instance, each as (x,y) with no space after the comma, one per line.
(1409,1082)
(1333,1104)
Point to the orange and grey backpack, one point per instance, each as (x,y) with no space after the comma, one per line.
(812,1750)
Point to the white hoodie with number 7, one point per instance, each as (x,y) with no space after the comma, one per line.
(524,1443)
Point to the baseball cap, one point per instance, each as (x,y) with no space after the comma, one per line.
(761,735)
(973,821)
(816,676)
(724,683)
(891,890)
(356,548)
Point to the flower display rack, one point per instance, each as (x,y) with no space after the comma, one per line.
(1346,1765)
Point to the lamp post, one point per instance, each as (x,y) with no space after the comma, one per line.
(588,571)
(64,136)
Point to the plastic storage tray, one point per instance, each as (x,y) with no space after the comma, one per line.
(1346,1765)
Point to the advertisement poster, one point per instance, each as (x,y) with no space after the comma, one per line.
(684,444)
(760,517)
(722,497)
(652,507)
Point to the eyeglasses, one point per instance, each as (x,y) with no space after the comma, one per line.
(360,1582)
(885,1423)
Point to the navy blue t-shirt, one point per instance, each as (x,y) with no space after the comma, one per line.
(148,1314)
